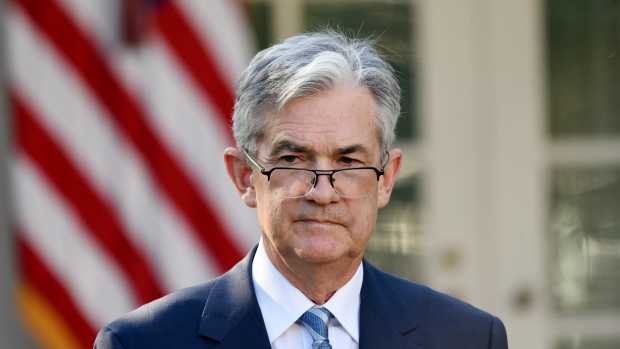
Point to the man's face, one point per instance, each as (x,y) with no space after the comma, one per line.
(330,130)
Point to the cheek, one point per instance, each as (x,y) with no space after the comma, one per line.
(365,220)
(272,216)
(263,210)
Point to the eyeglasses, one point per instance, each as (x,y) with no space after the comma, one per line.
(293,182)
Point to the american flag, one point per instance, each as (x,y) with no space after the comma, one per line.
(121,110)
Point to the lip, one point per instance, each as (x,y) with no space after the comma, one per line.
(318,221)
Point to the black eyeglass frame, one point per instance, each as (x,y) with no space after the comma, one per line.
(317,173)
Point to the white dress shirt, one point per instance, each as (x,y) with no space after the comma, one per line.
(281,304)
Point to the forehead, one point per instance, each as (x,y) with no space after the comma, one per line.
(333,119)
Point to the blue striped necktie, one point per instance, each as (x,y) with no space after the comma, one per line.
(316,320)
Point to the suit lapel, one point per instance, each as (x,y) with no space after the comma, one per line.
(385,320)
(231,317)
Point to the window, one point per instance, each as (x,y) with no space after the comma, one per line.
(583,65)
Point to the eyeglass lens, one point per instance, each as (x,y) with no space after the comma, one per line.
(350,183)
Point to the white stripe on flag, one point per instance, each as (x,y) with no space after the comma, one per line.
(222,24)
(111,165)
(93,280)
(63,104)
(99,19)
(163,236)
(114,162)
(196,135)
(245,229)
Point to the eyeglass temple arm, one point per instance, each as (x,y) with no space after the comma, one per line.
(253,162)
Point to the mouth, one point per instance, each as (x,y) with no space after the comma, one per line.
(318,221)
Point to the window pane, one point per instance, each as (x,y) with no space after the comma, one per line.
(390,23)
(397,243)
(260,13)
(583,62)
(585,239)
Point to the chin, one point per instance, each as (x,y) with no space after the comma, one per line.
(322,242)
(321,249)
(319,257)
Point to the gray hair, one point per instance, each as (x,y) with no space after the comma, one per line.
(304,65)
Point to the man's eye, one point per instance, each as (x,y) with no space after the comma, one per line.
(289,158)
(347,160)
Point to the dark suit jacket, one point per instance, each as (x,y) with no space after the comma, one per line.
(223,313)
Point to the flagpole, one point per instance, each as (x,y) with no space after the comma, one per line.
(12,334)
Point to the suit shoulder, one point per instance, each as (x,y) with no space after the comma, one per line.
(423,297)
(170,312)
(465,322)
(447,321)
(442,319)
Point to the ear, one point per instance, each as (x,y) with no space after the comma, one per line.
(240,173)
(386,184)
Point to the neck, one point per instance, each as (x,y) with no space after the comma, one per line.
(317,281)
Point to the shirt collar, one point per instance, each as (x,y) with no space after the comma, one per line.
(282,304)
(345,304)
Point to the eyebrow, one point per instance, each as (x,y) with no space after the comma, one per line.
(350,149)
(287,145)
(283,145)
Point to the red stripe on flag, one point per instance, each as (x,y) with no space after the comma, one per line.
(196,58)
(37,274)
(92,210)
(76,47)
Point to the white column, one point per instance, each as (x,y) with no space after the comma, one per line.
(483,131)
(455,139)
(287,18)
(520,192)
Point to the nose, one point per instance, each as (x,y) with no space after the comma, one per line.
(322,192)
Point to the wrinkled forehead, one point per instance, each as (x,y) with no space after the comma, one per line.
(341,120)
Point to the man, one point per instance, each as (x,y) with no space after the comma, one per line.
(314,123)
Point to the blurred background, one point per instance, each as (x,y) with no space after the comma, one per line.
(114,116)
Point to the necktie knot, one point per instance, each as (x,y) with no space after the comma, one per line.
(315,321)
